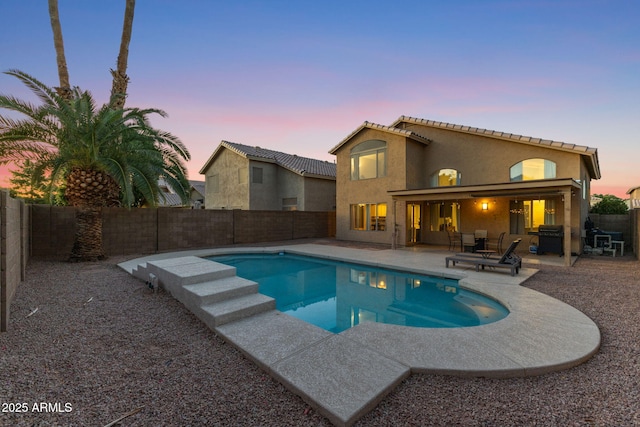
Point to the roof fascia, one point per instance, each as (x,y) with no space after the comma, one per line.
(535,187)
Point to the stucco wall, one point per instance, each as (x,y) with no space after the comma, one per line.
(483,160)
(319,195)
(232,171)
(290,185)
(350,192)
(264,195)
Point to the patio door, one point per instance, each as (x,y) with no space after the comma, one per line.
(414,217)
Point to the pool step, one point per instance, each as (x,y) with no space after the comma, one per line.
(209,289)
(219,290)
(174,274)
(219,313)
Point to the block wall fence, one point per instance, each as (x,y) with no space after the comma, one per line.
(14,251)
(146,231)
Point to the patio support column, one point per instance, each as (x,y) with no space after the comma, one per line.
(394,233)
(566,244)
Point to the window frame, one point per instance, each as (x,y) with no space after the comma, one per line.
(549,169)
(523,214)
(435,178)
(372,147)
(444,216)
(367,217)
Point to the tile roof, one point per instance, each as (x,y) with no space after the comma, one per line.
(199,186)
(390,129)
(495,134)
(301,165)
(169,199)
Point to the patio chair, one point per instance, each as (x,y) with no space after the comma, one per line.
(481,239)
(453,240)
(467,240)
(508,260)
(498,244)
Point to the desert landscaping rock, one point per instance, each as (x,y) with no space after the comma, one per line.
(102,345)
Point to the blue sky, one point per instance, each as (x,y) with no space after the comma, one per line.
(299,76)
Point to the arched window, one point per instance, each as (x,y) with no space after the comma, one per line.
(531,169)
(368,160)
(446,178)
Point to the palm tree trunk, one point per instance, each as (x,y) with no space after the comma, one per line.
(88,190)
(87,245)
(120,78)
(65,87)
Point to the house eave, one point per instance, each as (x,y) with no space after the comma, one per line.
(507,189)
(390,129)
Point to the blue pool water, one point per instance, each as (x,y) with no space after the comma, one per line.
(337,295)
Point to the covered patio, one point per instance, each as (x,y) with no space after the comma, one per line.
(430,216)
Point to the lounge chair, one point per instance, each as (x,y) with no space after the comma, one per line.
(508,260)
(498,244)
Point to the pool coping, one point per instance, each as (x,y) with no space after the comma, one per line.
(345,375)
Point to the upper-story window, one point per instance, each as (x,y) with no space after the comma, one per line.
(446,178)
(530,169)
(368,160)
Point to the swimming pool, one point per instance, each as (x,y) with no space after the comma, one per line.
(339,295)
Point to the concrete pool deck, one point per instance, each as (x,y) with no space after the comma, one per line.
(345,375)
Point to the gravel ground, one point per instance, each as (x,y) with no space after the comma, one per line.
(102,345)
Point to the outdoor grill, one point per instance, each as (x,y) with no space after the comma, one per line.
(550,239)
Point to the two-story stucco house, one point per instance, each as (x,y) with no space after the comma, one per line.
(416,181)
(240,176)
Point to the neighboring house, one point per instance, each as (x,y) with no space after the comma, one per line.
(197,193)
(432,178)
(168,197)
(239,176)
(634,198)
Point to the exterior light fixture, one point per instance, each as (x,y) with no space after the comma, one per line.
(485,206)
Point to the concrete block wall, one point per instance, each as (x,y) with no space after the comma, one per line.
(128,231)
(53,229)
(262,226)
(313,224)
(193,228)
(634,216)
(617,223)
(143,231)
(14,247)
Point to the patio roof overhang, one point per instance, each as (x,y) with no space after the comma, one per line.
(535,188)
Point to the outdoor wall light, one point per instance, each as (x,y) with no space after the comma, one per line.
(485,206)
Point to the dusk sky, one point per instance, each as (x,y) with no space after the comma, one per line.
(299,76)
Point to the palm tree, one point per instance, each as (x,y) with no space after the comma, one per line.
(120,78)
(63,73)
(103,154)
